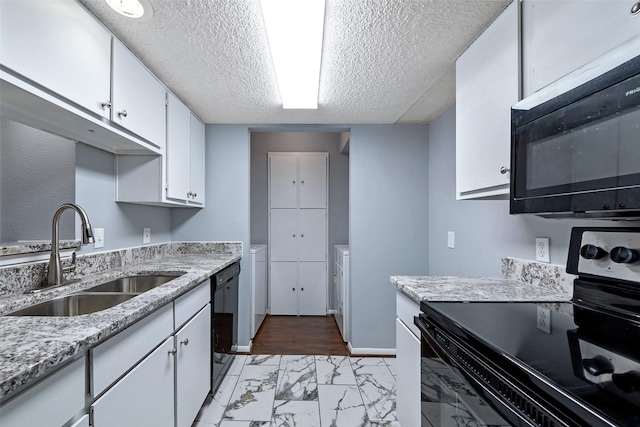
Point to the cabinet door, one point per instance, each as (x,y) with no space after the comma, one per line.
(312,228)
(283,181)
(551,29)
(59,46)
(313,181)
(284,288)
(197,161)
(139,99)
(142,398)
(178,148)
(487,85)
(312,279)
(408,371)
(193,342)
(284,235)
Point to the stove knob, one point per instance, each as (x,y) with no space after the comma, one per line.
(628,382)
(597,366)
(624,255)
(592,252)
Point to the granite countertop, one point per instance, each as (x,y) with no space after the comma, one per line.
(452,288)
(33,346)
(33,246)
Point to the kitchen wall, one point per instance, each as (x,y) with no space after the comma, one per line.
(122,222)
(226,215)
(37,174)
(388,225)
(484,230)
(264,142)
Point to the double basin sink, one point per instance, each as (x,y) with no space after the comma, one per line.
(96,298)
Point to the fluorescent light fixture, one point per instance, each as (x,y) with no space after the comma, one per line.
(132,8)
(294,29)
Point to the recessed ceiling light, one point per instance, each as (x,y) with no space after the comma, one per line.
(132,8)
(294,29)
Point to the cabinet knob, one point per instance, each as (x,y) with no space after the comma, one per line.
(189,194)
(185,341)
(106,104)
(122,113)
(302,182)
(302,235)
(294,182)
(293,289)
(504,170)
(294,235)
(173,351)
(302,289)
(195,195)
(635,9)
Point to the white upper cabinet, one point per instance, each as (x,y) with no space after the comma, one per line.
(313,181)
(138,98)
(487,85)
(298,181)
(283,182)
(197,161)
(178,148)
(38,42)
(560,36)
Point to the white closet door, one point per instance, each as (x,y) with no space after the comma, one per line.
(313,181)
(284,235)
(313,288)
(284,288)
(283,181)
(312,227)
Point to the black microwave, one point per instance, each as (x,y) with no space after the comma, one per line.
(578,153)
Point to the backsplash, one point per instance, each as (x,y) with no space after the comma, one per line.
(538,273)
(22,277)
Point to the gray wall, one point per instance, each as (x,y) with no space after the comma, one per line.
(226,215)
(388,226)
(484,230)
(37,174)
(264,142)
(122,222)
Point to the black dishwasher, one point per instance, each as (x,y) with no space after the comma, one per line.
(224,322)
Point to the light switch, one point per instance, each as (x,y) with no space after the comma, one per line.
(146,235)
(451,239)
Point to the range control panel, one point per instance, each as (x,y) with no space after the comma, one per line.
(612,253)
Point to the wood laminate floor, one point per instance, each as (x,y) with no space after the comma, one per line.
(299,335)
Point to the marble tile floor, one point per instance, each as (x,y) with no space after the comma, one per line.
(304,391)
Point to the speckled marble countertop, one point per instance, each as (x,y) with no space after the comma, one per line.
(452,288)
(32,346)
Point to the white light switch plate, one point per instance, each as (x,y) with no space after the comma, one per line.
(98,238)
(451,239)
(146,235)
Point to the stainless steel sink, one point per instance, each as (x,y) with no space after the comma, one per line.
(133,284)
(74,305)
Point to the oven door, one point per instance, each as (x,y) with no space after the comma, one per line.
(450,396)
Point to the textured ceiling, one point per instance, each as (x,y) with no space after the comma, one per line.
(383,61)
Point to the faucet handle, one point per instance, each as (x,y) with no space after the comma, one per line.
(71,267)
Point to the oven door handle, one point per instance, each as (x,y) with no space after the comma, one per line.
(421,324)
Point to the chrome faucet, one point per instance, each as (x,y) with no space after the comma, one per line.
(55,274)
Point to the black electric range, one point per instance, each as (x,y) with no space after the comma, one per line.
(542,363)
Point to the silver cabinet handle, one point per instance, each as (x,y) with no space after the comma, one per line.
(635,9)
(189,194)
(504,170)
(106,104)
(122,113)
(195,195)
(185,341)
(173,351)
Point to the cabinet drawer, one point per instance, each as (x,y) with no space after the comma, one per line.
(189,304)
(406,308)
(57,398)
(114,357)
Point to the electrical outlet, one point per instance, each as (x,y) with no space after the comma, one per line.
(542,249)
(451,239)
(98,238)
(543,321)
(146,235)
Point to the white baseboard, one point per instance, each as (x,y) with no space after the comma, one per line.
(365,351)
(245,348)
(331,312)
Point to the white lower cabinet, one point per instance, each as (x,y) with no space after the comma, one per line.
(193,358)
(407,362)
(56,400)
(144,397)
(299,288)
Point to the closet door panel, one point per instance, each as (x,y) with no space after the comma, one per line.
(313,234)
(312,279)
(284,288)
(283,181)
(284,235)
(313,181)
